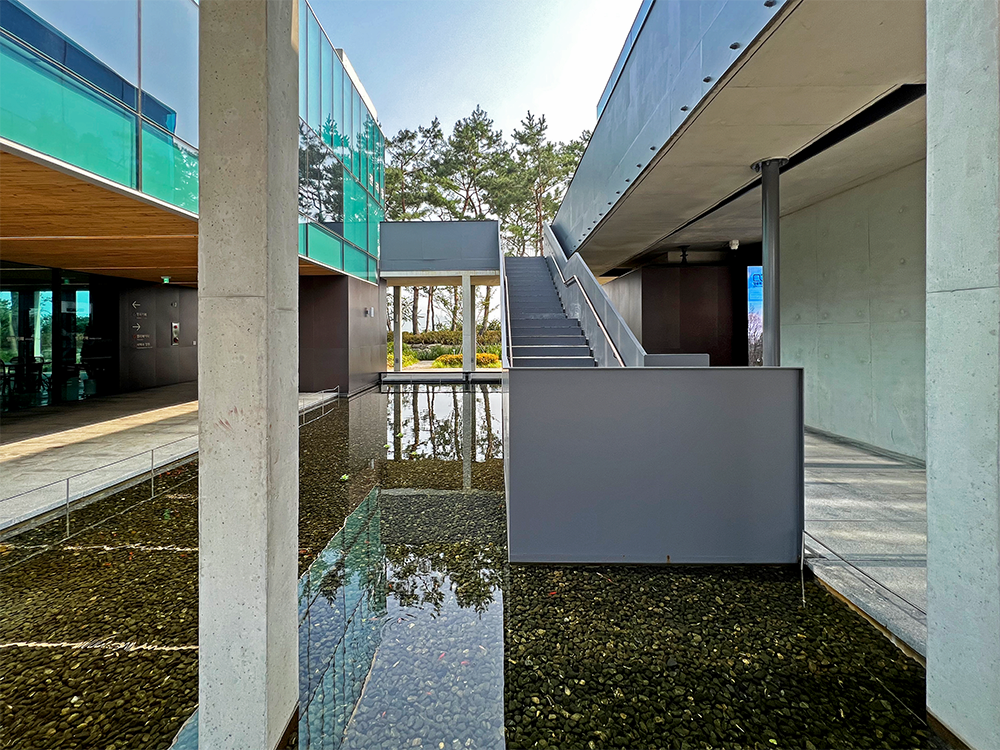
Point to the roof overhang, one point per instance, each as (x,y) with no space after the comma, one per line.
(821,64)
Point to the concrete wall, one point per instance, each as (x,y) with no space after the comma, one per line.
(625,294)
(147,357)
(852,310)
(338,344)
(651,465)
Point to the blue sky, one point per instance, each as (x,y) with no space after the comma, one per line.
(421,58)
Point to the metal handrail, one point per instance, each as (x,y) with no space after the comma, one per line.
(576,280)
(506,353)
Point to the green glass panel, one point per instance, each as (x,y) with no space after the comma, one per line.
(355,213)
(313,94)
(338,106)
(347,152)
(48,111)
(355,262)
(303,228)
(303,60)
(324,247)
(372,244)
(372,270)
(356,109)
(326,93)
(169,169)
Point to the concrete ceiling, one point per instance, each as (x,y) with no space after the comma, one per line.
(823,62)
(891,143)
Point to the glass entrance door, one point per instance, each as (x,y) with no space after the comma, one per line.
(26,342)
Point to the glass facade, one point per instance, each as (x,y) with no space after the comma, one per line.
(58,335)
(77,85)
(341,160)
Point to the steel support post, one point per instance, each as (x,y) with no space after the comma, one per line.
(770,225)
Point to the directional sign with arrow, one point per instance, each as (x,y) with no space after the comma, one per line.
(135,304)
(136,327)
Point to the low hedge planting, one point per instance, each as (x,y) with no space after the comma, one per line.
(449,338)
(483,359)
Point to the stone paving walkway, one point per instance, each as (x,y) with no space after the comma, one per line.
(79,450)
(866,514)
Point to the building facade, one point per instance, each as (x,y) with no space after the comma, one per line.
(99,159)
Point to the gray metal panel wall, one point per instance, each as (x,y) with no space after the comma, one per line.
(654,465)
(683,50)
(439,246)
(147,358)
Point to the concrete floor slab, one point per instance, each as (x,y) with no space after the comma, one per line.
(84,448)
(866,521)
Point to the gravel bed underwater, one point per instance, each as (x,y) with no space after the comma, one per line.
(416,632)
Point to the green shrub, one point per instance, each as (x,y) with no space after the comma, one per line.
(483,359)
(449,338)
(448,360)
(409,356)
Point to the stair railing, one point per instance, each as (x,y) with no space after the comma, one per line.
(506,356)
(624,346)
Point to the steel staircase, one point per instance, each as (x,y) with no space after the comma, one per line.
(542,334)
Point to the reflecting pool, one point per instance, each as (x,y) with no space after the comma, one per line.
(414,630)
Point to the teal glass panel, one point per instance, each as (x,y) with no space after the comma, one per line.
(303,60)
(169,66)
(356,109)
(372,243)
(326,94)
(324,247)
(314,66)
(303,236)
(338,106)
(355,262)
(373,270)
(48,111)
(355,213)
(169,168)
(347,152)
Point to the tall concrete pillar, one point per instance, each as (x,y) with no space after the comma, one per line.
(962,370)
(248,373)
(397,328)
(468,324)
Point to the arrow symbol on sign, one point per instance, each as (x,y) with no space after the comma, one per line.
(135,304)
(136,327)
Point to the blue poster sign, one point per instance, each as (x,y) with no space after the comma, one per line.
(755,290)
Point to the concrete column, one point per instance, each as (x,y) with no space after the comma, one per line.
(962,370)
(397,328)
(468,324)
(770,225)
(247,373)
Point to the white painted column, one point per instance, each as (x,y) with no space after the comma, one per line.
(248,373)
(963,372)
(397,328)
(468,324)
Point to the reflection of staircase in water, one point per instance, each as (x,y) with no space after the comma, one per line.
(542,334)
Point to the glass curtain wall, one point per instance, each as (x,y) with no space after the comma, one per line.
(76,87)
(112,88)
(341,160)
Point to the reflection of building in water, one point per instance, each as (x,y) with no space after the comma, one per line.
(342,605)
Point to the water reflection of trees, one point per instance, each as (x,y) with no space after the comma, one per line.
(428,424)
(418,574)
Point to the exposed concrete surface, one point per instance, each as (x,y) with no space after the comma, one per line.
(852,310)
(248,372)
(870,511)
(963,372)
